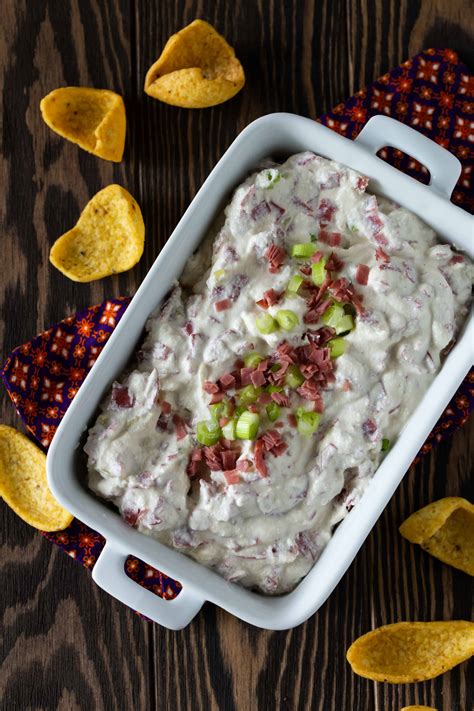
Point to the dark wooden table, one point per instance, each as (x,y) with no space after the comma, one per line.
(65,644)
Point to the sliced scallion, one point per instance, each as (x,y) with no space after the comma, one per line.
(304,250)
(307,422)
(273,177)
(274,389)
(229,430)
(293,377)
(220,409)
(287,320)
(251,360)
(318,271)
(247,425)
(337,347)
(266,324)
(333,315)
(385,445)
(294,284)
(217,410)
(248,395)
(208,433)
(273,411)
(345,325)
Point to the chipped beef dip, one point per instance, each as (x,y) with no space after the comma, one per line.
(265,397)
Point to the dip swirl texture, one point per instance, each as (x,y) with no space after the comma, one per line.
(260,511)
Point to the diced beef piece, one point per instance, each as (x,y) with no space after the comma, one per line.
(275,256)
(180,426)
(362,274)
(232,477)
(210,387)
(326,211)
(227,381)
(223,305)
(121,397)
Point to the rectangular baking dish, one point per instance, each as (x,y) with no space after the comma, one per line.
(281,135)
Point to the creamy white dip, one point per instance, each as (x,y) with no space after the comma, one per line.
(266,528)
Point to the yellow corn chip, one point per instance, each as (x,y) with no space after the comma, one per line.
(406,652)
(23,484)
(445,529)
(107,239)
(418,708)
(196,69)
(92,118)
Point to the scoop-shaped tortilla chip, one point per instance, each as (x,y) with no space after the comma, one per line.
(23,484)
(196,69)
(417,707)
(107,239)
(406,652)
(92,118)
(444,528)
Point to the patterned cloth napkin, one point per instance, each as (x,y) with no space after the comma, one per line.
(434,93)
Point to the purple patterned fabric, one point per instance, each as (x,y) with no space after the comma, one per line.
(42,377)
(434,93)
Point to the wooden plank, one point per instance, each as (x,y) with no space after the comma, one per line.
(65,644)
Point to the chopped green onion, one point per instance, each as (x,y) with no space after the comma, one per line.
(220,409)
(208,433)
(275,367)
(385,445)
(318,271)
(307,422)
(345,324)
(312,237)
(252,359)
(266,324)
(217,410)
(273,411)
(247,425)
(306,249)
(294,284)
(337,347)
(273,176)
(229,430)
(274,389)
(333,315)
(293,377)
(238,411)
(287,319)
(248,395)
(219,274)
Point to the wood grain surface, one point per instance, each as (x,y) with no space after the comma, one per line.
(65,644)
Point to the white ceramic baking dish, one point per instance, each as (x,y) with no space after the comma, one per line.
(279,135)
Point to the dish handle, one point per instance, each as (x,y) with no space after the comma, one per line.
(109,574)
(381,131)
